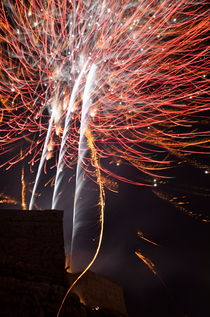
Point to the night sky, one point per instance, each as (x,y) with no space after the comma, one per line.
(181,258)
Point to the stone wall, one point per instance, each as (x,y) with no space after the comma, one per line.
(98,292)
(31,244)
(21,298)
(24,298)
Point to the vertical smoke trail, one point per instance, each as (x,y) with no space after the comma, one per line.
(60,166)
(78,211)
(41,163)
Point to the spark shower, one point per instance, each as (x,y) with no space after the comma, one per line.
(90,85)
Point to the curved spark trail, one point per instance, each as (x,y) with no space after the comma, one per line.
(90,141)
(149,264)
(152,80)
(151,84)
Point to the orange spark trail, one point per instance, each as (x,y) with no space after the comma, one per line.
(149,264)
(179,206)
(23,191)
(147,261)
(141,235)
(7,200)
(152,80)
(95,162)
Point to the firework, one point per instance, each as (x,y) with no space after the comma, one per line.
(151,77)
(141,235)
(134,73)
(5,199)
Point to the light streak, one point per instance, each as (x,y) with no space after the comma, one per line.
(147,261)
(152,81)
(179,205)
(5,199)
(63,149)
(23,191)
(86,102)
(41,163)
(141,235)
(8,201)
(94,158)
(149,264)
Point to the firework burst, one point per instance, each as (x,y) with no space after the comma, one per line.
(150,82)
(133,75)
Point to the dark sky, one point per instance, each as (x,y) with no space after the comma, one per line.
(182,258)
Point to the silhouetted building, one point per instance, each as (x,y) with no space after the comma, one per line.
(96,291)
(33,280)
